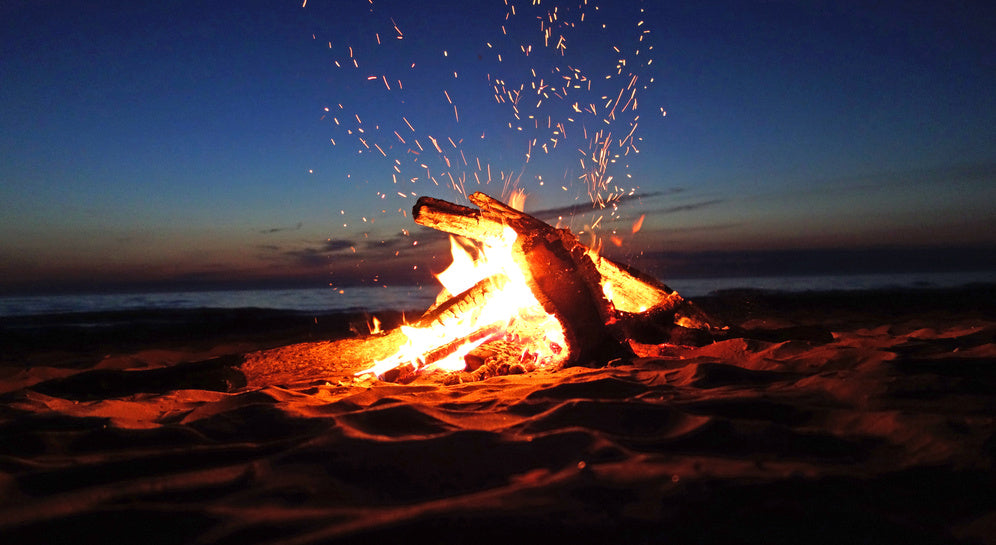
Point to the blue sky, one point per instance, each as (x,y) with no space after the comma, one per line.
(188,144)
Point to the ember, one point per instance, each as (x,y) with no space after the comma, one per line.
(532,296)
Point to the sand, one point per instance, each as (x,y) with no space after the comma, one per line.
(829,418)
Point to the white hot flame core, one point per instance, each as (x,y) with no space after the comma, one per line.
(510,311)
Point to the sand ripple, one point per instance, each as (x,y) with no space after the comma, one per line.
(882,433)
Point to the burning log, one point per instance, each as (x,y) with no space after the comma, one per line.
(632,291)
(465,301)
(556,266)
(541,298)
(486,333)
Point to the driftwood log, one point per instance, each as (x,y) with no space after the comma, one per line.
(568,279)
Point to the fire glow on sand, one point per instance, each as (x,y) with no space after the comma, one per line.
(553,393)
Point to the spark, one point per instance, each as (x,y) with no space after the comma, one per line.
(435,143)
(557,88)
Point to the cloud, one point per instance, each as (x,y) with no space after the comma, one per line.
(688,207)
(392,242)
(314,256)
(964,177)
(698,228)
(308,257)
(337,245)
(281,229)
(311,255)
(575,209)
(818,261)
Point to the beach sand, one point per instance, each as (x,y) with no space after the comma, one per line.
(847,417)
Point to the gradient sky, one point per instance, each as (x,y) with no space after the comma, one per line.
(194,144)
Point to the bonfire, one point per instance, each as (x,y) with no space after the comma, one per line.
(522,294)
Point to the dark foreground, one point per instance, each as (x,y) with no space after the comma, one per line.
(860,417)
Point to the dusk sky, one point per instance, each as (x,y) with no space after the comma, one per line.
(224,144)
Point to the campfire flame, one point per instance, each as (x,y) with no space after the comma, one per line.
(509,311)
(532,293)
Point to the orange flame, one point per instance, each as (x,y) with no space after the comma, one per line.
(510,311)
(374,326)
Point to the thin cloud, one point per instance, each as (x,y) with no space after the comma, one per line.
(309,257)
(584,208)
(699,228)
(973,175)
(399,240)
(810,261)
(689,207)
(337,245)
(320,254)
(281,229)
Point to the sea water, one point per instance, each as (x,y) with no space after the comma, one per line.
(302,299)
(374,299)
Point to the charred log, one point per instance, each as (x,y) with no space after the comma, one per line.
(557,269)
(633,291)
(464,302)
(571,281)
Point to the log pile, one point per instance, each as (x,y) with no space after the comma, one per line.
(568,279)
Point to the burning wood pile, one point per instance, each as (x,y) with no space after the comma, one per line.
(524,295)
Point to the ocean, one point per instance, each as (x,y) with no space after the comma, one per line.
(374,299)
